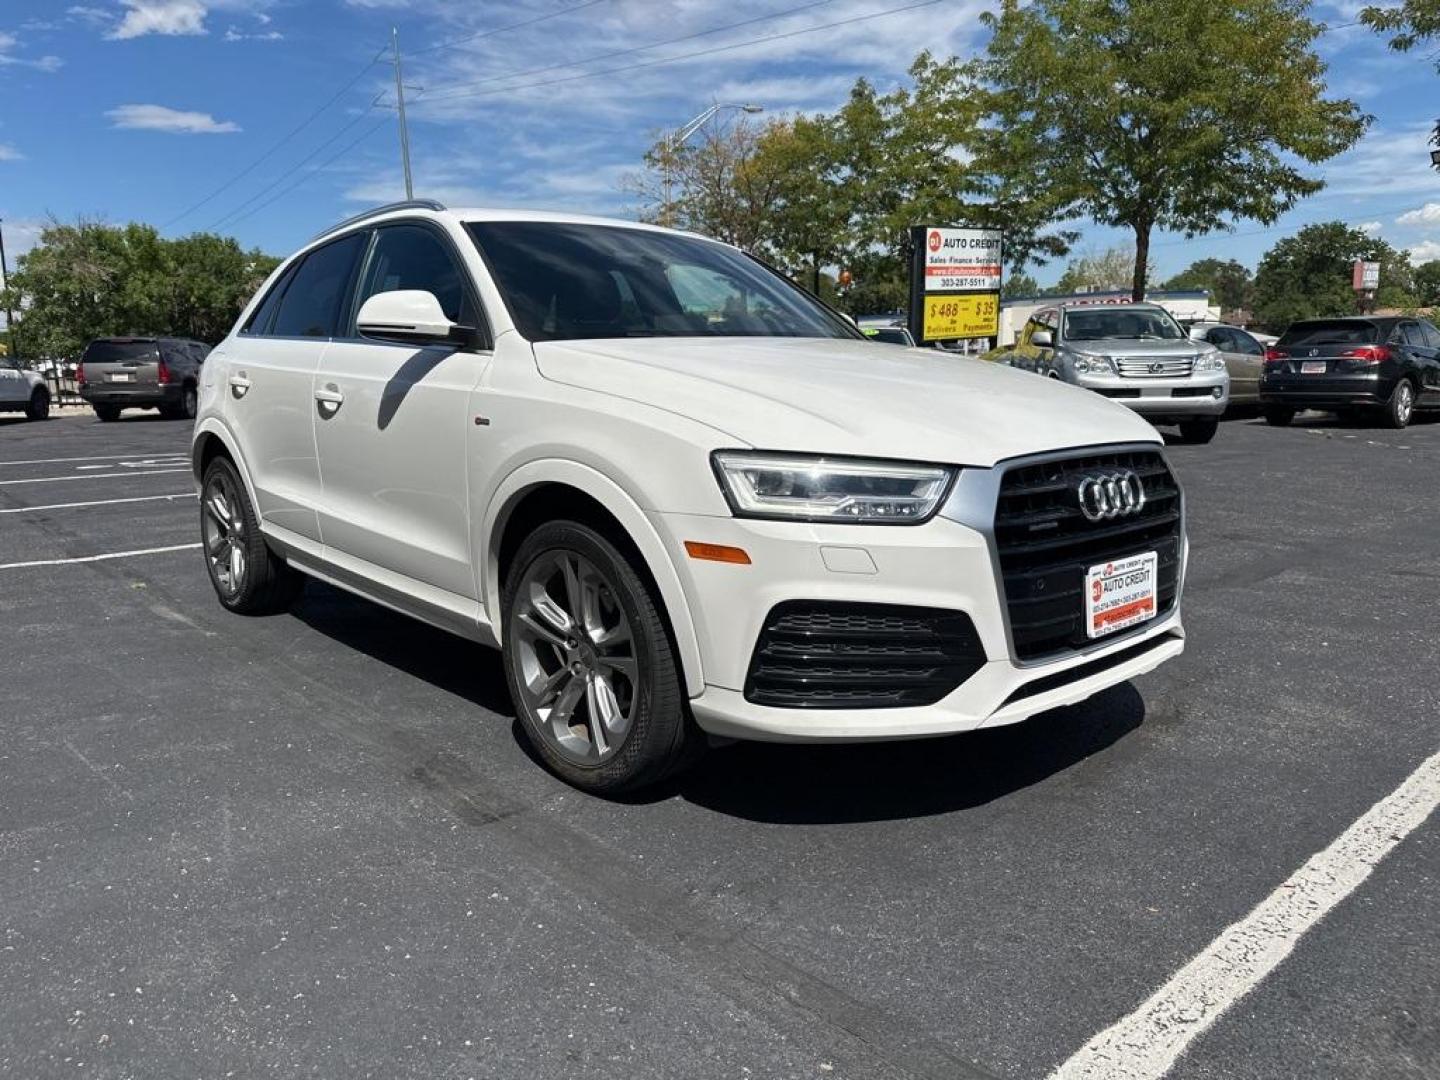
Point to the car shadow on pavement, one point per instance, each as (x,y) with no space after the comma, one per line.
(808,785)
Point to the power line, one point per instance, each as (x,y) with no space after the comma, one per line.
(502,29)
(315,171)
(642,48)
(230,218)
(270,152)
(686,56)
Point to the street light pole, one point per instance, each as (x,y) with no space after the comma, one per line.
(14,338)
(400,101)
(677,140)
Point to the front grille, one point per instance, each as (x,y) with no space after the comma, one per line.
(1154,367)
(1046,545)
(816,654)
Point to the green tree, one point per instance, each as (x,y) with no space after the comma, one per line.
(1019,284)
(1427,283)
(1309,275)
(1411,23)
(88,279)
(1227,281)
(1107,109)
(1098,271)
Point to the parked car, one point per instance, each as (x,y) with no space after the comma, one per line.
(1385,367)
(1134,353)
(142,373)
(23,389)
(1244,355)
(683,496)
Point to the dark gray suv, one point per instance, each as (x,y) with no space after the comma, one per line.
(142,373)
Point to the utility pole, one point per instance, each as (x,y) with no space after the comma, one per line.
(14,338)
(400,100)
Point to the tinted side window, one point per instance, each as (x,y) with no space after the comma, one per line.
(1412,334)
(260,318)
(311,305)
(1432,336)
(413,257)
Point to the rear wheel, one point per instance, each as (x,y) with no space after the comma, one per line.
(248,577)
(1278,416)
(108,413)
(1199,431)
(1400,407)
(39,407)
(590,664)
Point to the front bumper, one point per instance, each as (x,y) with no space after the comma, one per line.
(1205,393)
(944,563)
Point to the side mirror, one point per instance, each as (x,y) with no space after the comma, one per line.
(1042,339)
(411,317)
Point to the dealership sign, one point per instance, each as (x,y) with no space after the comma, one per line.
(1365,277)
(954,283)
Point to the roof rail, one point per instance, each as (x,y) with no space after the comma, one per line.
(408,204)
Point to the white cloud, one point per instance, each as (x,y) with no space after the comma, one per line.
(1370,228)
(160,17)
(174,121)
(8,44)
(234,33)
(1427,215)
(9,153)
(1425,251)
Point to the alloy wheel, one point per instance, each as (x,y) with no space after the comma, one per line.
(576,658)
(223,530)
(1404,402)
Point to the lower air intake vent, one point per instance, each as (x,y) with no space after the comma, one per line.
(825,655)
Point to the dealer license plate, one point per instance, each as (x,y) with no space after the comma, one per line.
(1312,367)
(122,376)
(1120,594)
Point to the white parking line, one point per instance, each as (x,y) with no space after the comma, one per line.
(1148,1042)
(98,558)
(97,502)
(90,476)
(63,460)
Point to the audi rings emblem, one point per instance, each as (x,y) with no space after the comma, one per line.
(1111,495)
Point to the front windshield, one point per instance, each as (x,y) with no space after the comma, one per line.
(1100,324)
(564,281)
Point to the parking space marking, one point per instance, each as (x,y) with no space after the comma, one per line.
(98,502)
(91,476)
(65,460)
(1148,1042)
(98,558)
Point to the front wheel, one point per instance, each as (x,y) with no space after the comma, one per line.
(39,407)
(248,577)
(590,663)
(1199,431)
(1400,407)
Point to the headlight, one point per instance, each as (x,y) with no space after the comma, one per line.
(1093,364)
(1210,361)
(804,488)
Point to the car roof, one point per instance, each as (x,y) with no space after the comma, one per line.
(1373,320)
(1129,305)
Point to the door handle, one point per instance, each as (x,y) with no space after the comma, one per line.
(329,398)
(239,385)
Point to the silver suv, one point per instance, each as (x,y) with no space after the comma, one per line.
(1137,354)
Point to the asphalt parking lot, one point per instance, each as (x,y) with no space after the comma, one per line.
(311,845)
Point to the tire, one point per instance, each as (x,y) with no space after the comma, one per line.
(185,408)
(248,577)
(621,663)
(1401,407)
(39,407)
(107,413)
(1199,432)
(1278,415)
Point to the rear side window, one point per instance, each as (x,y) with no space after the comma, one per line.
(312,304)
(413,257)
(1432,336)
(259,320)
(1330,332)
(119,352)
(1412,334)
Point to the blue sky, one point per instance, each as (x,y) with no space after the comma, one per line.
(140,109)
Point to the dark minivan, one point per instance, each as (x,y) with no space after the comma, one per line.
(1388,367)
(142,373)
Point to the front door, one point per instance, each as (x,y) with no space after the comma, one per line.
(392,423)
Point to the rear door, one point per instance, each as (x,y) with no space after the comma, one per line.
(14,387)
(123,366)
(1430,365)
(1244,359)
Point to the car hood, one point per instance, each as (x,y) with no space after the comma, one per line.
(847,397)
(1183,347)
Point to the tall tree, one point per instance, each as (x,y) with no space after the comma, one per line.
(1427,283)
(1098,271)
(1108,109)
(1309,275)
(1410,23)
(1227,281)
